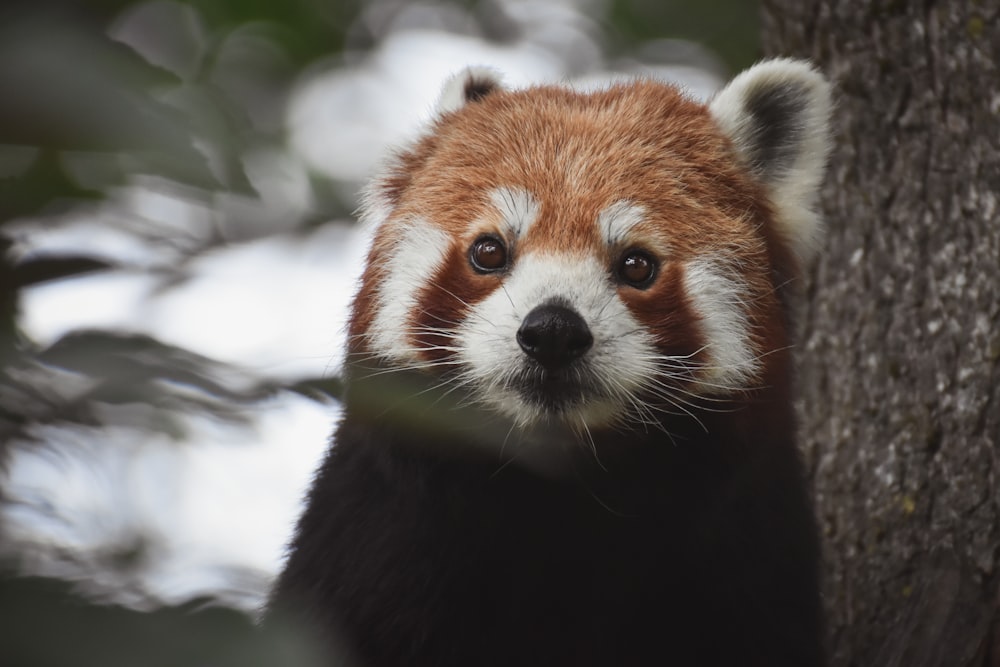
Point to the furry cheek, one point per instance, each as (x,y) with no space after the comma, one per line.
(409,262)
(720,301)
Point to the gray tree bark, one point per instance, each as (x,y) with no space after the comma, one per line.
(900,337)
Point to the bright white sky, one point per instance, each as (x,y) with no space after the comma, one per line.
(276,306)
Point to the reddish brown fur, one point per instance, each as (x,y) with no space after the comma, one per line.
(577,154)
(665,310)
(445,302)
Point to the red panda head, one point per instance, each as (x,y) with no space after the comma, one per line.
(597,258)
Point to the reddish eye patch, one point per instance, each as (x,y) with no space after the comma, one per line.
(488,254)
(637,269)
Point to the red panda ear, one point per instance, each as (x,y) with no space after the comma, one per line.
(470,85)
(777,114)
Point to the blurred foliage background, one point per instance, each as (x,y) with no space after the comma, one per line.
(136,139)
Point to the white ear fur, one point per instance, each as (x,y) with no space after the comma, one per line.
(469,85)
(777,114)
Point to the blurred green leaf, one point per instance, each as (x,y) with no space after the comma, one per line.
(46,624)
(43,269)
(68,89)
(131,367)
(320,388)
(43,187)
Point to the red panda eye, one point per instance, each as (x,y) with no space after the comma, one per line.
(488,254)
(637,269)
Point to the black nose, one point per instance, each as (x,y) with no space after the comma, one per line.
(554,336)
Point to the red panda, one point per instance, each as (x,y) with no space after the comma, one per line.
(568,435)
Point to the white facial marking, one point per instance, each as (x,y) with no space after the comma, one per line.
(718,299)
(415,256)
(621,358)
(518,208)
(618,221)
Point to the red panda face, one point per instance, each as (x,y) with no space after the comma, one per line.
(601,259)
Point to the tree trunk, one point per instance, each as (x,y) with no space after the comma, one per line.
(899,346)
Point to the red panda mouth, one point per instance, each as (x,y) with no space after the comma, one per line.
(554,391)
